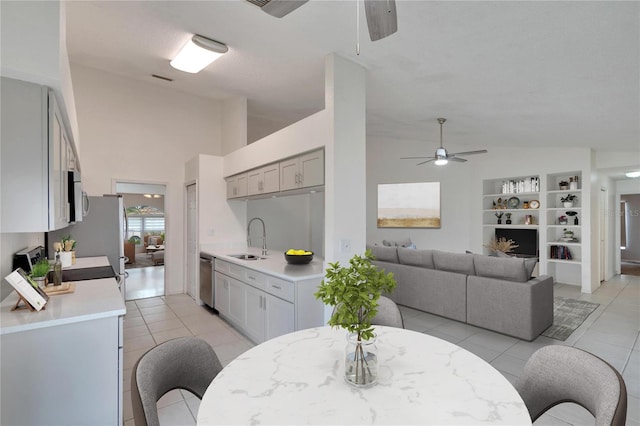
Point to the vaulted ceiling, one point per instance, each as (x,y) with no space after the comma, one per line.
(503,73)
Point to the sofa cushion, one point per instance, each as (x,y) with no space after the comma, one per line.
(529,262)
(461,263)
(153,240)
(384,254)
(398,243)
(509,269)
(422,258)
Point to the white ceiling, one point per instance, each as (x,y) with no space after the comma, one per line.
(502,73)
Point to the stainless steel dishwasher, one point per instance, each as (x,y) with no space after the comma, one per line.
(207,293)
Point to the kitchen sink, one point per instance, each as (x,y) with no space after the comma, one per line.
(246,256)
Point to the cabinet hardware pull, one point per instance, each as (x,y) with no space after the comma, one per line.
(276,286)
(250,277)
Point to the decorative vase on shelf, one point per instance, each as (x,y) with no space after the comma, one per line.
(361,361)
(499,221)
(508,222)
(568,204)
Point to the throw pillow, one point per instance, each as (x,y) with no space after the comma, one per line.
(152,241)
(529,266)
(398,243)
(384,254)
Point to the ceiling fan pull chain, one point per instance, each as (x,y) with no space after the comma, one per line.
(358,27)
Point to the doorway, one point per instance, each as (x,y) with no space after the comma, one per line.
(145,238)
(630,234)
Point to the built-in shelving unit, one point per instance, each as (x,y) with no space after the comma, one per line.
(560,238)
(515,199)
(563,255)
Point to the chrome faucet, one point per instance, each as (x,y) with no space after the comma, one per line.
(264,235)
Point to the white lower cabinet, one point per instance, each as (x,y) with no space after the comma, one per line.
(255,316)
(279,321)
(263,306)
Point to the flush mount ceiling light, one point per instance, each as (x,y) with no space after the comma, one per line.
(633,174)
(197,54)
(152,195)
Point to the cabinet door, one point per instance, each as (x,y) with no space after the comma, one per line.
(254,182)
(271,178)
(289,174)
(312,169)
(232,187)
(237,305)
(57,167)
(221,293)
(279,317)
(254,320)
(242,185)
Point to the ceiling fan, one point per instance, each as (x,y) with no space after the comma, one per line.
(382,19)
(441,156)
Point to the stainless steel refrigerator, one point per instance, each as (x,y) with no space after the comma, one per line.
(101,233)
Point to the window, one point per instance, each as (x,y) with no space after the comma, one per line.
(143,220)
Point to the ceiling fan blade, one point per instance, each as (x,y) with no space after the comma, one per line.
(425,162)
(453,158)
(278,8)
(382,18)
(415,158)
(481,151)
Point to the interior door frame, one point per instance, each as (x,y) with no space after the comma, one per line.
(196,284)
(167,215)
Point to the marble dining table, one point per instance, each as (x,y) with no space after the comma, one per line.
(298,378)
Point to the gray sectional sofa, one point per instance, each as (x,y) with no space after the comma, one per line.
(495,293)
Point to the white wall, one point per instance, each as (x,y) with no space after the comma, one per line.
(384,166)
(260,127)
(221,224)
(140,132)
(305,135)
(234,124)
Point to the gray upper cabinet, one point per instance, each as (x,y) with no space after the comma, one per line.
(237,186)
(34,155)
(303,171)
(264,180)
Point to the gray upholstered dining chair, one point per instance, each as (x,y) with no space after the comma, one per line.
(388,314)
(555,374)
(185,363)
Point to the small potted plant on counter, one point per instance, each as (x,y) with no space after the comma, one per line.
(39,272)
(354,292)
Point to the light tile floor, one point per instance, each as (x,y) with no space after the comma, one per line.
(611,332)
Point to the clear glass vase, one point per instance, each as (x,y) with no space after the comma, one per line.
(361,361)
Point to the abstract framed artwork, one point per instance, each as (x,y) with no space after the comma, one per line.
(409,205)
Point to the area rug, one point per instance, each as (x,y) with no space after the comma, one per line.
(143,260)
(568,314)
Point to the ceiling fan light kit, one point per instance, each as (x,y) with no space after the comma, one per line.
(441,156)
(197,54)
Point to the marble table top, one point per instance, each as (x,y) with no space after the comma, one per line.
(298,378)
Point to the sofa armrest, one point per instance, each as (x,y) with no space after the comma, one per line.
(523,310)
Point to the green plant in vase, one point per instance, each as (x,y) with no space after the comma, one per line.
(354,292)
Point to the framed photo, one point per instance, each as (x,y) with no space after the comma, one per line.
(409,205)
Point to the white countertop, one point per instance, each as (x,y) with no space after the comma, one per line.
(273,263)
(89,262)
(92,299)
(298,378)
